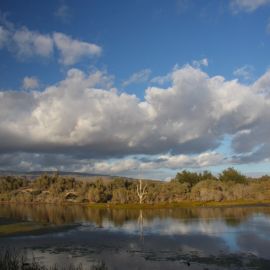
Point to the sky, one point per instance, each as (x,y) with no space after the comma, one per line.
(135,88)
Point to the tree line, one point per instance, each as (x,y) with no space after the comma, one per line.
(185,186)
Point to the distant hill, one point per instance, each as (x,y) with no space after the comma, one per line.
(77,175)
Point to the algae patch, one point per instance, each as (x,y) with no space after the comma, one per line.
(20,227)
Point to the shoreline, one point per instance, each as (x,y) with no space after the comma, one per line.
(183,204)
(187,204)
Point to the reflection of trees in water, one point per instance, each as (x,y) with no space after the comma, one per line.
(120,216)
(140,222)
(57,214)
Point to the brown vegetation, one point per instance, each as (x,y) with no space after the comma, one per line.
(230,185)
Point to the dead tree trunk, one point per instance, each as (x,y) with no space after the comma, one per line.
(141,191)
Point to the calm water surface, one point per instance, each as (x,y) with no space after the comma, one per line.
(195,238)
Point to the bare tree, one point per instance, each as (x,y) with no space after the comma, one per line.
(141,191)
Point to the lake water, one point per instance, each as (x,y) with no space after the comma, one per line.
(189,238)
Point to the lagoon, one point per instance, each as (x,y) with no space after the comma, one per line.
(107,238)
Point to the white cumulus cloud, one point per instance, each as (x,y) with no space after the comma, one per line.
(84,118)
(30,83)
(25,43)
(199,63)
(138,77)
(247,5)
(63,13)
(245,72)
(72,50)
(4,36)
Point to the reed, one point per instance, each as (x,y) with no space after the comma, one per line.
(11,259)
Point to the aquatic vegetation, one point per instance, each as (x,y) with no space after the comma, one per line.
(13,260)
(20,227)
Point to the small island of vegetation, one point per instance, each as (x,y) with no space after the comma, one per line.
(186,189)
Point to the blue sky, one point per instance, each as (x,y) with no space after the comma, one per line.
(136,35)
(132,46)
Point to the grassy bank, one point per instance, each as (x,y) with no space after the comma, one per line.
(184,204)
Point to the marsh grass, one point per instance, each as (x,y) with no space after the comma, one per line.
(11,259)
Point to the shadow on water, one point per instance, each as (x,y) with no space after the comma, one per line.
(183,238)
